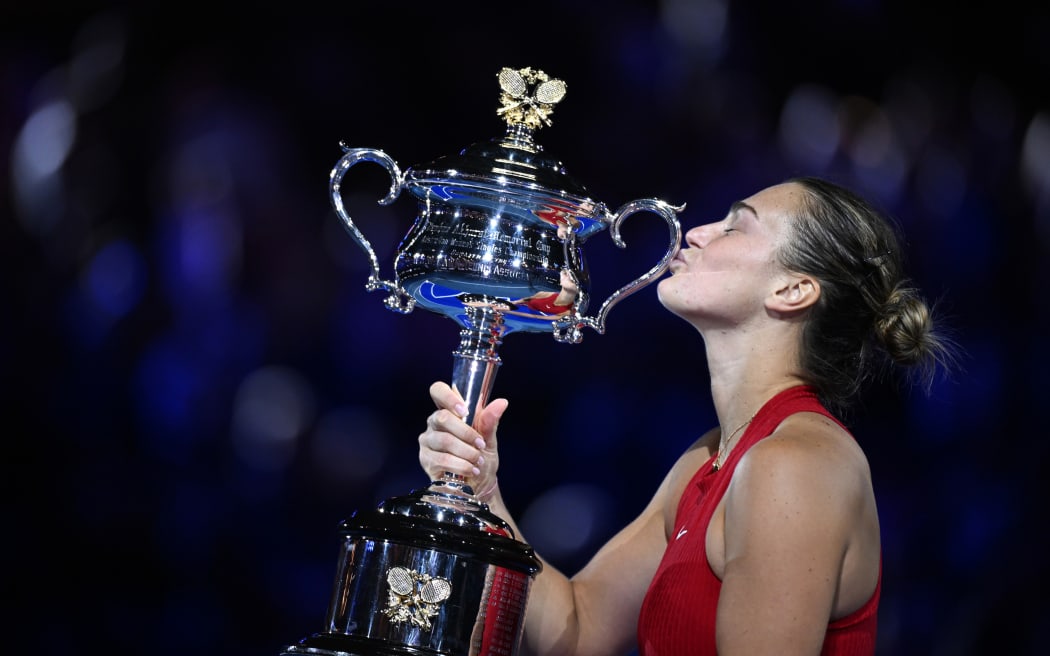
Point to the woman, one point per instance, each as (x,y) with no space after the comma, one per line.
(764,536)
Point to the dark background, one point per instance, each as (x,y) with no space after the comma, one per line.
(199,388)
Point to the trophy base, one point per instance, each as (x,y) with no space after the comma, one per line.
(433,573)
(334,644)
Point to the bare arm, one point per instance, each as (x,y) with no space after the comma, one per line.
(798,504)
(595,611)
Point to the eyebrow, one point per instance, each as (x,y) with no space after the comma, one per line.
(741,205)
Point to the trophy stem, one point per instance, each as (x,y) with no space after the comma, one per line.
(474,371)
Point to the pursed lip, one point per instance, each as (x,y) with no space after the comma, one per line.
(677,261)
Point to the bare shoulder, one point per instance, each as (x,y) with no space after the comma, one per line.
(810,455)
(801,502)
(808,439)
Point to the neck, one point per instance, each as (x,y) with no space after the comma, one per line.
(748,369)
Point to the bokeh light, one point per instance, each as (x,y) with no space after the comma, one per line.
(202,388)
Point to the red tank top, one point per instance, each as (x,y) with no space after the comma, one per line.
(547,305)
(678,614)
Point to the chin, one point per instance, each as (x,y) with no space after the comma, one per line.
(660,296)
(666,298)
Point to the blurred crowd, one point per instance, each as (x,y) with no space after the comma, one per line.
(200,387)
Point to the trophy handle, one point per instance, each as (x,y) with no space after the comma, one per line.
(399,300)
(569,328)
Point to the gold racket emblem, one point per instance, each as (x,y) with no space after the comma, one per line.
(414,596)
(528,96)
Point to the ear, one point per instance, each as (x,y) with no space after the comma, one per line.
(794,293)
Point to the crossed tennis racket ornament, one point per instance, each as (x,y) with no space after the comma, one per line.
(414,596)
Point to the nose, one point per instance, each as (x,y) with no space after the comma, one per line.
(700,236)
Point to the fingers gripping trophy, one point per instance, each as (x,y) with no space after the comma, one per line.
(497,247)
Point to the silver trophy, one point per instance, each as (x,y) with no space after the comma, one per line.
(496,246)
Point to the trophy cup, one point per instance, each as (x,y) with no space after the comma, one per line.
(496,247)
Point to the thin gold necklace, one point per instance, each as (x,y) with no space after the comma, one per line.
(724,443)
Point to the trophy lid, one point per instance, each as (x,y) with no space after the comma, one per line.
(512,173)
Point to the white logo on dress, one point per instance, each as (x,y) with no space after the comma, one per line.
(681,533)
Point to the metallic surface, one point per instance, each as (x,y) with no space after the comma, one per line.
(497,246)
(488,575)
(499,221)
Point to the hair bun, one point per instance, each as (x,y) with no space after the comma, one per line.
(905,330)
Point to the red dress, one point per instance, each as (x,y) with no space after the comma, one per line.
(678,613)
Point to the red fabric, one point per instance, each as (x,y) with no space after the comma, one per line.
(504,613)
(679,610)
(547,305)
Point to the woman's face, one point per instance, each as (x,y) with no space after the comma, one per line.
(727,269)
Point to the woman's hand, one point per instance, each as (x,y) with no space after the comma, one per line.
(450,445)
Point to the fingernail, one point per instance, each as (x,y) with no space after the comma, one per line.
(460,409)
(480,443)
(481,460)
(476,471)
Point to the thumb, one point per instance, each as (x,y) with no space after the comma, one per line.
(488,421)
